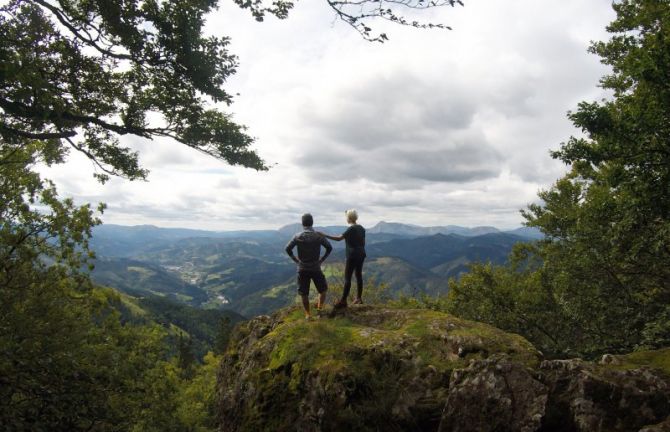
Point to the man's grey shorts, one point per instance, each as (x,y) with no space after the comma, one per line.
(304,278)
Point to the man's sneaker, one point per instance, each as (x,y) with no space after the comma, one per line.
(357,301)
(340,305)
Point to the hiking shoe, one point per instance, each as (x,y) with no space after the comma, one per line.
(357,301)
(340,305)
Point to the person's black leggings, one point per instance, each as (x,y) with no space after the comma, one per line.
(354,264)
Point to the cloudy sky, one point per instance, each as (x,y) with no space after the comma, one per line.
(431,128)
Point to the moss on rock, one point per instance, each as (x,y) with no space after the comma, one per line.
(376,368)
(371,368)
(657,359)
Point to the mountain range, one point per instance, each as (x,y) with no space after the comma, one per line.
(248,271)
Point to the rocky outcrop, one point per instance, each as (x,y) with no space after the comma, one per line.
(371,369)
(494,395)
(664,426)
(566,396)
(393,369)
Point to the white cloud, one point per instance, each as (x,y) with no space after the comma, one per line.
(434,127)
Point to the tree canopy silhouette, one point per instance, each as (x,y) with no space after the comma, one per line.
(80,74)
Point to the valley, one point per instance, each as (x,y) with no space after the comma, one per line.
(249,273)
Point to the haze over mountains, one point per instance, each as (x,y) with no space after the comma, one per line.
(248,271)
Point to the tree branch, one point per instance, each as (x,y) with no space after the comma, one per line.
(383,9)
(63,19)
(22,110)
(93,159)
(36,135)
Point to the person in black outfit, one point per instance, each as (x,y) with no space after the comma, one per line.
(309,264)
(354,238)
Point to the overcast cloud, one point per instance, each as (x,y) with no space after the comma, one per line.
(431,128)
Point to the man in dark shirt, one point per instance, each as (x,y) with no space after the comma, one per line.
(309,262)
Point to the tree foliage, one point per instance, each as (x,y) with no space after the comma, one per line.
(60,344)
(604,267)
(67,359)
(80,74)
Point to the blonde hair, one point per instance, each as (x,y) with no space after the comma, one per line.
(352,215)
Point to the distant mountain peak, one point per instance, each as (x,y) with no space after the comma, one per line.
(397,228)
(385,223)
(294,227)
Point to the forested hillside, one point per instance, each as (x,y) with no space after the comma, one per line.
(249,272)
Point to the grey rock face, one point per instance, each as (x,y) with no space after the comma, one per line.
(660,427)
(559,396)
(494,396)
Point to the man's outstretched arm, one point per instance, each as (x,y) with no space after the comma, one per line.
(332,237)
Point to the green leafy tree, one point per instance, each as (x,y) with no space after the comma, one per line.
(223,335)
(197,397)
(608,220)
(185,355)
(66,362)
(603,270)
(43,306)
(520,297)
(80,74)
